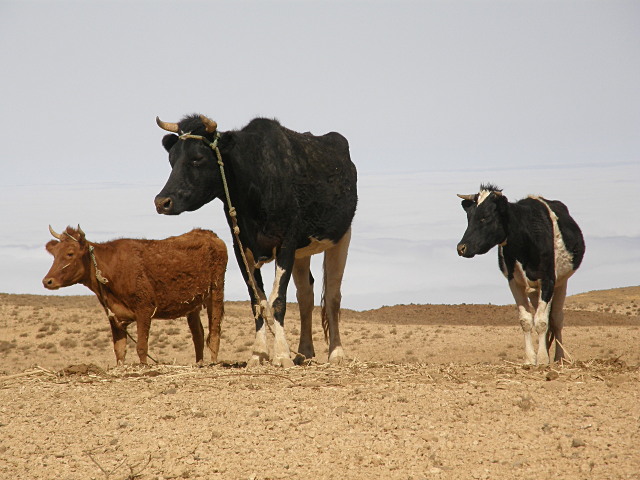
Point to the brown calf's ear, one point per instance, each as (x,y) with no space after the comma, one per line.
(50,245)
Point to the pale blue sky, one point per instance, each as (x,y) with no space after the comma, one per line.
(435,97)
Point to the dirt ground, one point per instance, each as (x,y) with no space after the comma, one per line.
(429,392)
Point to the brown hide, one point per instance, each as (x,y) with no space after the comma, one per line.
(147,279)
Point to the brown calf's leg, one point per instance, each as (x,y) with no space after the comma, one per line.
(143,324)
(197,333)
(215,313)
(119,339)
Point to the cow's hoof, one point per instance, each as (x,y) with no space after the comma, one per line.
(337,357)
(257,360)
(284,362)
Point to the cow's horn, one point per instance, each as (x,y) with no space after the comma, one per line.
(80,232)
(169,127)
(53,232)
(209,125)
(498,193)
(471,197)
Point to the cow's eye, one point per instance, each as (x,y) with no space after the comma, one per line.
(483,219)
(197,160)
(70,255)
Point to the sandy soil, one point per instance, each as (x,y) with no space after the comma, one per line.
(430,391)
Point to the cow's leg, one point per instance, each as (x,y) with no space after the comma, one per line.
(278,303)
(541,319)
(143,324)
(259,350)
(526,319)
(556,320)
(335,260)
(304,293)
(119,339)
(197,333)
(215,312)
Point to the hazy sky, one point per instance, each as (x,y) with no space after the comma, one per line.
(434,97)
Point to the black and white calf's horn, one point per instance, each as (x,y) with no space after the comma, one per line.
(53,232)
(471,197)
(169,127)
(209,125)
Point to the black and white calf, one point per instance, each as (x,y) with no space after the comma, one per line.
(540,247)
(295,196)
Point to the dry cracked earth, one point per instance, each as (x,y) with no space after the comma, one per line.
(428,392)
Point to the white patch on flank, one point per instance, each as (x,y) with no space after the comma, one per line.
(316,246)
(563,258)
(482,196)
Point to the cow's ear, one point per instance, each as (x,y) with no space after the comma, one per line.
(50,244)
(227,140)
(501,203)
(467,204)
(168,141)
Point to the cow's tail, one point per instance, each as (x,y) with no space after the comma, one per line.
(323,303)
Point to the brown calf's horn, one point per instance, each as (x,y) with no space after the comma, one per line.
(53,232)
(209,125)
(169,127)
(80,232)
(471,197)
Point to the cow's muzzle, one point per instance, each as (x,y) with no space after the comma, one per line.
(50,283)
(164,205)
(463,250)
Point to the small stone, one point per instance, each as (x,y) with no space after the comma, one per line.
(577,442)
(552,375)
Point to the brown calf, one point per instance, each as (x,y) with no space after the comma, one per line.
(137,280)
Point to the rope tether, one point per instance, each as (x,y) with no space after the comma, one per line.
(262,307)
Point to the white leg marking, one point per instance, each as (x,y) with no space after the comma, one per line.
(276,286)
(526,319)
(281,352)
(541,324)
(259,351)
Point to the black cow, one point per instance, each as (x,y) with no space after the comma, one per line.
(294,195)
(540,247)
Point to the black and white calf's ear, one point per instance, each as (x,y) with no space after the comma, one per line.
(168,141)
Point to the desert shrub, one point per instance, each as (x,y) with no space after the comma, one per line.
(6,346)
(68,343)
(49,346)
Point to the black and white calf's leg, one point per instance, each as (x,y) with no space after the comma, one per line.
(541,319)
(519,292)
(304,293)
(335,259)
(556,321)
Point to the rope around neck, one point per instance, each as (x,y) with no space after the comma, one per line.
(99,276)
